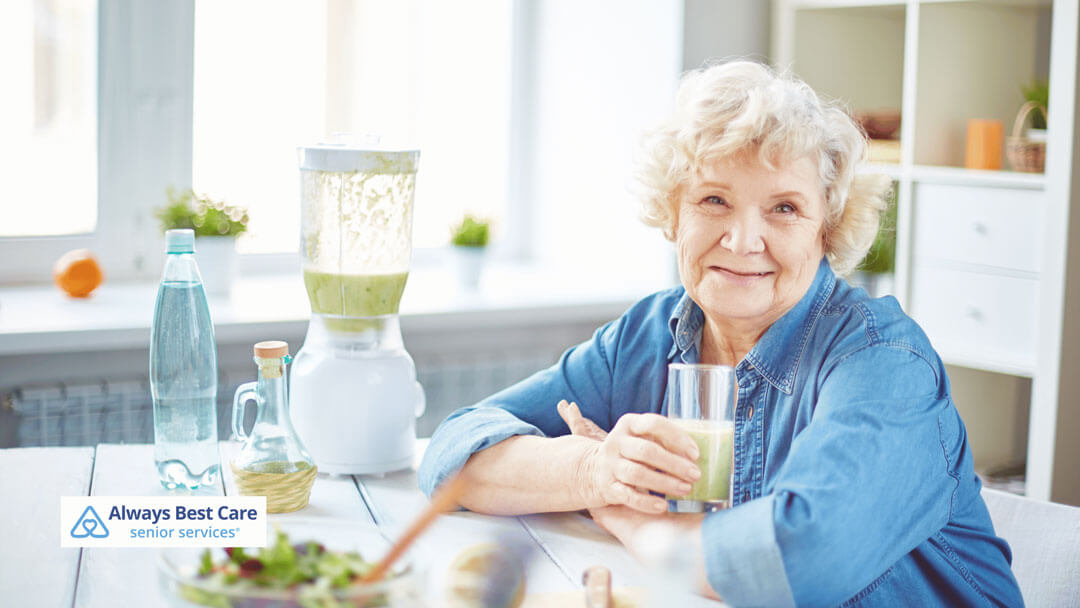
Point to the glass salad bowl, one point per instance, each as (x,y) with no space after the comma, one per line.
(306,564)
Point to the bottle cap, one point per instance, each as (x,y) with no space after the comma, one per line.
(180,240)
(271,349)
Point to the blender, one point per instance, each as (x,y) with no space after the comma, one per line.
(353,393)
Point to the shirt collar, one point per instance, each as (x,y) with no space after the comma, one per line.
(685,325)
(777,354)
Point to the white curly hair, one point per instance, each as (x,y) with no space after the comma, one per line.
(743,106)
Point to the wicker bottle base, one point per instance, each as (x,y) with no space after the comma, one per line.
(284,492)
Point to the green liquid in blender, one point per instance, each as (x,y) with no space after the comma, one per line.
(354,295)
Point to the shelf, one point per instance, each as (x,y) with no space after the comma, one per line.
(958,176)
(1004,3)
(857,4)
(846,4)
(953,355)
(975,177)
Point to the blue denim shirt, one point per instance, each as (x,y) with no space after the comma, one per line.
(853,478)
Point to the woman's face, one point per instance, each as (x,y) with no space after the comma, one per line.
(750,239)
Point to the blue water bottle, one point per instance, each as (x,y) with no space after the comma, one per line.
(183,372)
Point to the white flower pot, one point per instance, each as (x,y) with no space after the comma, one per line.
(216,257)
(469,266)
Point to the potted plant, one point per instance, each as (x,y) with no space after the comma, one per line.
(1037,92)
(469,239)
(875,272)
(216,225)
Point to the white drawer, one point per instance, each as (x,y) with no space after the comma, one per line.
(979,225)
(979,316)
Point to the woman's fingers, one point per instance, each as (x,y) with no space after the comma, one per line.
(644,453)
(579,425)
(664,432)
(642,477)
(651,454)
(623,494)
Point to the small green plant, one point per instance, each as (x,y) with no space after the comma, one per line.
(881,259)
(1039,92)
(471,232)
(205,216)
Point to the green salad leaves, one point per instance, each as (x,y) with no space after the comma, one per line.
(306,571)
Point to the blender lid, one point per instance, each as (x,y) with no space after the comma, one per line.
(347,154)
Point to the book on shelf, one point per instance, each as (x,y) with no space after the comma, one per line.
(884,151)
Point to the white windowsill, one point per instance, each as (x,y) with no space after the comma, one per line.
(41,319)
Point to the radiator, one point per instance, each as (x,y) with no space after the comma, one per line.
(120,410)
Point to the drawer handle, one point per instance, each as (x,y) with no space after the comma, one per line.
(980,228)
(974,314)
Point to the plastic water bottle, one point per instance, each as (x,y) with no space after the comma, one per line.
(183,372)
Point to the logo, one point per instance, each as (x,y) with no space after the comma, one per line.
(162,521)
(89,524)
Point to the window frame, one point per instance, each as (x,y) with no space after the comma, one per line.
(144,96)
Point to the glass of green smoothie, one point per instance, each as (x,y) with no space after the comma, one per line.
(701,400)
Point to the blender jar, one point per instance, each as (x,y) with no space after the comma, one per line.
(356,230)
(353,392)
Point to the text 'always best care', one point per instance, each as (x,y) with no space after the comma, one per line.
(181,513)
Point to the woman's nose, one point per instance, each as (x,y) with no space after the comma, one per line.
(743,235)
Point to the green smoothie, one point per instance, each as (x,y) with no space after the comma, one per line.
(354,295)
(715,441)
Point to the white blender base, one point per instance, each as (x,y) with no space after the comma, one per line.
(356,415)
(367,468)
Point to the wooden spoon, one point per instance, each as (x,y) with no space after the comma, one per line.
(445,499)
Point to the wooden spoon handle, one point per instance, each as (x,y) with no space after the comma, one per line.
(444,499)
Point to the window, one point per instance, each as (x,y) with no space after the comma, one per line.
(524,112)
(48,115)
(404,70)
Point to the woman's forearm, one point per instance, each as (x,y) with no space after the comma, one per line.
(528,474)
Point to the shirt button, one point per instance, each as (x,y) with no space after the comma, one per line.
(750,413)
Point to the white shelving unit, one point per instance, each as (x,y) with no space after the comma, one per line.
(988,262)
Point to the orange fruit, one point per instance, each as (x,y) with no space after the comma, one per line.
(78,273)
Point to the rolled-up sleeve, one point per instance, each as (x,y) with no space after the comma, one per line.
(864,483)
(742,557)
(582,374)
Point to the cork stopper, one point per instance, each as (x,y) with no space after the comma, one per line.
(271,349)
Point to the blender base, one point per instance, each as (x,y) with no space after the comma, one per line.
(365,468)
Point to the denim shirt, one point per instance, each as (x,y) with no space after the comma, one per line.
(852,483)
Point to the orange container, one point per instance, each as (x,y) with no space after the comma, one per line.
(984,139)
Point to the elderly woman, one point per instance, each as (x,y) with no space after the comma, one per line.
(852,479)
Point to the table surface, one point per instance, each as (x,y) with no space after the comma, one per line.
(36,571)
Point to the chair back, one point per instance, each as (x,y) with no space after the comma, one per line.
(1045,542)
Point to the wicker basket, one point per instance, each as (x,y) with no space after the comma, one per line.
(1025,154)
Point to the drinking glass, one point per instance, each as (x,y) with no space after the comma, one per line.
(701,401)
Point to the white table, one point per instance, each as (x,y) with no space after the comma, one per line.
(36,571)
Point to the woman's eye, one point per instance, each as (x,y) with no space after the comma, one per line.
(785,208)
(714,200)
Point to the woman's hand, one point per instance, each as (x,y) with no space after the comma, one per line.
(643,453)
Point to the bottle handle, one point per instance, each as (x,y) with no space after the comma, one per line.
(244,393)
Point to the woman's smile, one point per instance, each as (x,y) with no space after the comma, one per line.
(740,277)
